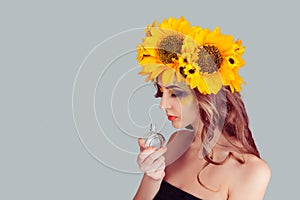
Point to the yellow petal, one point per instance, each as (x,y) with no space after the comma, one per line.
(148,77)
(168,76)
(157,71)
(213,82)
(179,77)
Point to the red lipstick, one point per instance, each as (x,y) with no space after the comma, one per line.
(171,118)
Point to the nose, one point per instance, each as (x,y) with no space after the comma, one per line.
(164,102)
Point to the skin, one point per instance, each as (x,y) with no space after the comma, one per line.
(231,181)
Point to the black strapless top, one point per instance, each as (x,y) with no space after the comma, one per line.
(170,192)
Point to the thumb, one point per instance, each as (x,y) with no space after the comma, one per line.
(141,143)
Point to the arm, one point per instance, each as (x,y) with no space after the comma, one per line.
(151,161)
(147,189)
(252,182)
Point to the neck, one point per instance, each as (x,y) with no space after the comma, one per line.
(197,132)
(197,142)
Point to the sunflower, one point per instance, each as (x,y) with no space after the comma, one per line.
(215,58)
(204,59)
(161,49)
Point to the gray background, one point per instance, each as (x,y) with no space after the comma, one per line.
(42,46)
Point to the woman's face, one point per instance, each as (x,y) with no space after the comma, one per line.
(179,103)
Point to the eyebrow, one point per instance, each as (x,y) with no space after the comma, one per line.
(171,86)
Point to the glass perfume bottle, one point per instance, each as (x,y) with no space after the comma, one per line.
(154,138)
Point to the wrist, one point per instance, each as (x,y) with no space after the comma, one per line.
(154,179)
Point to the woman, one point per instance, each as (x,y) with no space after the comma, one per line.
(195,71)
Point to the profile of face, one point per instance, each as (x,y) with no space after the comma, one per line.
(179,103)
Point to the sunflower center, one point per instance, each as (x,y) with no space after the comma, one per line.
(169,47)
(210,59)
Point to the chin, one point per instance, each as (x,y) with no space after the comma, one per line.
(178,124)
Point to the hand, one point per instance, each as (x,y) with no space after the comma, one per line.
(151,160)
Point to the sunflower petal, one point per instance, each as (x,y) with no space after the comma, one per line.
(213,82)
(157,71)
(168,76)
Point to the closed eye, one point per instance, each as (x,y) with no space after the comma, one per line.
(179,94)
(173,93)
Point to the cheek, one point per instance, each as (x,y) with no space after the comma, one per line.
(177,105)
(187,101)
(187,107)
(189,111)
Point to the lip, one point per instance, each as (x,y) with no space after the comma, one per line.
(171,117)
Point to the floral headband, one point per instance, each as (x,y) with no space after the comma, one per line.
(204,59)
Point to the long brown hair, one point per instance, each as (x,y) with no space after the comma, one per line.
(225,111)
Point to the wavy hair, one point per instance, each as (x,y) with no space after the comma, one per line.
(225,111)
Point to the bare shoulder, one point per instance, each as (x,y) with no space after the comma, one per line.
(251,179)
(255,168)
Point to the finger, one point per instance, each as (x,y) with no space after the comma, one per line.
(161,167)
(153,156)
(157,175)
(145,153)
(157,165)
